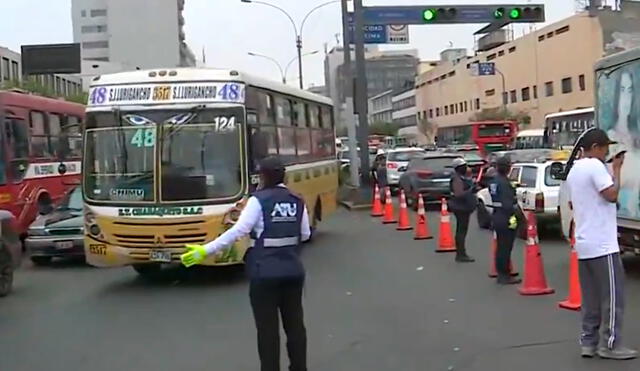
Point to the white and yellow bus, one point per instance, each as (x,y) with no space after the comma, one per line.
(170,154)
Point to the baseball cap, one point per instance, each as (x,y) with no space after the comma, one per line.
(457,162)
(503,161)
(597,137)
(271,163)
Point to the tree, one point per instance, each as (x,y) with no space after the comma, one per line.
(383,128)
(32,85)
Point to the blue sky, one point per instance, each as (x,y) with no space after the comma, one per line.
(228,29)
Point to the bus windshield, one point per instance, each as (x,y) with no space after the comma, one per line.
(197,153)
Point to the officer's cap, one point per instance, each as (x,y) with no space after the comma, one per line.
(270,164)
(457,162)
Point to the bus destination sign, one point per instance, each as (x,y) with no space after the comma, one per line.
(144,94)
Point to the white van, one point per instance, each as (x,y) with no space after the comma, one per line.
(528,139)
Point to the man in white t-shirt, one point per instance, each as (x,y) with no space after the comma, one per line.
(593,194)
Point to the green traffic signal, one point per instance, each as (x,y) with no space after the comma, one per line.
(515,13)
(429,15)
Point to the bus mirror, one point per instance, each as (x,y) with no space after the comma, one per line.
(557,170)
(62,169)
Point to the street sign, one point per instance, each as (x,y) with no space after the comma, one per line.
(443,14)
(483,69)
(381,34)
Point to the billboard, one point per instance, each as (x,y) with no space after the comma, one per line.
(50,58)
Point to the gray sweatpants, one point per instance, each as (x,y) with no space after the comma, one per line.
(602,284)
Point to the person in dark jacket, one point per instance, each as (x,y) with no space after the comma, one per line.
(463,203)
(503,197)
(277,222)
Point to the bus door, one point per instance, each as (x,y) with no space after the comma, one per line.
(16,163)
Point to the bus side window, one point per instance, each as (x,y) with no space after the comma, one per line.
(18,138)
(71,138)
(39,141)
(54,134)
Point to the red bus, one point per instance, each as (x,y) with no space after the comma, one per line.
(492,136)
(40,150)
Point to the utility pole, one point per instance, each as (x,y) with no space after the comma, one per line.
(361,100)
(348,90)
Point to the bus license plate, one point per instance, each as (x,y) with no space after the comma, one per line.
(160,256)
(64,245)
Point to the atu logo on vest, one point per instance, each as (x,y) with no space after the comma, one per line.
(284,212)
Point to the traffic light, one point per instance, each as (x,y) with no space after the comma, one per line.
(519,14)
(439,15)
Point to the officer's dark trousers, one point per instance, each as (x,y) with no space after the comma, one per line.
(283,297)
(462,226)
(506,237)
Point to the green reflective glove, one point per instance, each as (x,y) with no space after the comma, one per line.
(195,255)
(513,222)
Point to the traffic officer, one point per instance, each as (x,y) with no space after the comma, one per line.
(277,222)
(463,202)
(503,197)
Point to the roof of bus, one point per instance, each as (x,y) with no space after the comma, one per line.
(203,74)
(618,58)
(568,113)
(37,102)
(531,133)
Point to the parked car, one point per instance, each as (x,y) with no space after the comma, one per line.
(397,159)
(536,191)
(428,177)
(10,251)
(59,233)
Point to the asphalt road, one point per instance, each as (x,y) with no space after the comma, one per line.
(375,300)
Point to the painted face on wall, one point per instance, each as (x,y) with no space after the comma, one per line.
(626,95)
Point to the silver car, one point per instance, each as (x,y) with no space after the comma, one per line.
(59,233)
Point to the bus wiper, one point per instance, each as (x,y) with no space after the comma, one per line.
(178,122)
(67,208)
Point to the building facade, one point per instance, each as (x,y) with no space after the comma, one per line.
(386,70)
(381,108)
(11,71)
(138,34)
(404,108)
(546,71)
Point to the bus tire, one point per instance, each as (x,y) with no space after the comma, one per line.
(45,204)
(41,260)
(147,270)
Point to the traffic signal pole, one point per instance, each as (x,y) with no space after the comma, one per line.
(349,119)
(360,102)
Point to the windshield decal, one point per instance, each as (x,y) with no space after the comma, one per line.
(126,194)
(137,120)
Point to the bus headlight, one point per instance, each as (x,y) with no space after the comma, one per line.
(94,229)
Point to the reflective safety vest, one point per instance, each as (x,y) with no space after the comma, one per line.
(275,253)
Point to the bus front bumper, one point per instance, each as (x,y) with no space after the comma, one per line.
(101,254)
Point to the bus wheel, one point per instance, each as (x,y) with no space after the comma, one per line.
(147,270)
(45,204)
(41,260)
(6,272)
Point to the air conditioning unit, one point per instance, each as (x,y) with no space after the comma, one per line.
(492,40)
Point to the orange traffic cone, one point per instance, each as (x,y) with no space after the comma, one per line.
(403,221)
(493,273)
(422,227)
(376,209)
(445,243)
(574,300)
(388,217)
(535,281)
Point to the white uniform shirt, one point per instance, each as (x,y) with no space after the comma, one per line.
(596,230)
(251,220)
